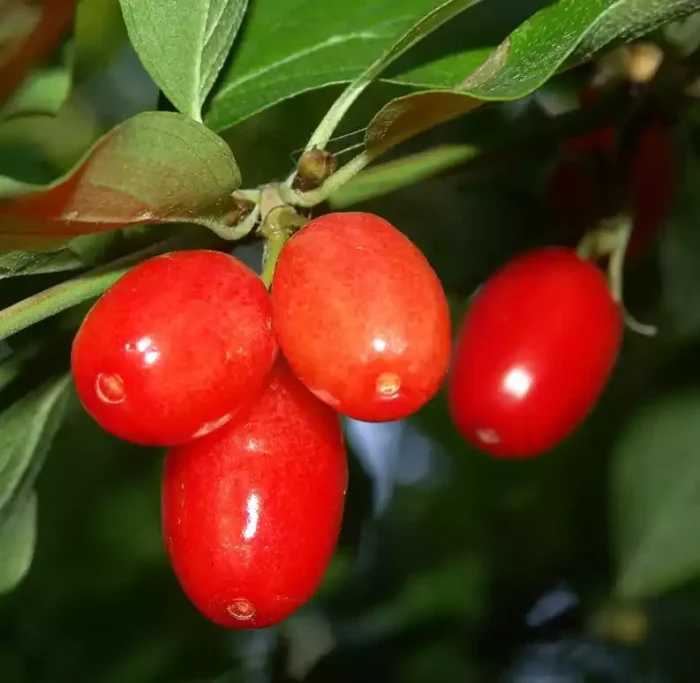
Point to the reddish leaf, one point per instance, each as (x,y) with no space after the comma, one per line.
(157,167)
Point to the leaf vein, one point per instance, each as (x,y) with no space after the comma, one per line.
(332,41)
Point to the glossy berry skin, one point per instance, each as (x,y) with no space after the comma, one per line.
(175,347)
(361,316)
(251,513)
(534,353)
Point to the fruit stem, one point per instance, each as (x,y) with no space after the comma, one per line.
(273,249)
(65,295)
(586,247)
(333,183)
(616,262)
(250,195)
(279,225)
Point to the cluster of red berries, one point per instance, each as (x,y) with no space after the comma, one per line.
(190,351)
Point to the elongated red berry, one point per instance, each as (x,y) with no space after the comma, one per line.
(534,353)
(361,316)
(175,347)
(251,513)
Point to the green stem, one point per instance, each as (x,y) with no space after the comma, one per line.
(617,258)
(586,247)
(273,249)
(325,129)
(242,229)
(279,225)
(616,276)
(72,292)
(250,195)
(334,183)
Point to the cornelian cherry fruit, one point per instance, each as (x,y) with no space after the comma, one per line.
(251,513)
(175,347)
(534,353)
(361,316)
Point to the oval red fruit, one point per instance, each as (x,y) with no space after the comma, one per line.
(361,316)
(534,353)
(251,513)
(174,348)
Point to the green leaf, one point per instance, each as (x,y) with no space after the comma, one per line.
(626,20)
(81,252)
(290,47)
(426,25)
(566,31)
(17,542)
(183,45)
(42,93)
(14,263)
(157,167)
(27,429)
(656,499)
(394,175)
(407,116)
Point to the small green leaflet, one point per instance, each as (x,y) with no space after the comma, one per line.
(27,429)
(17,542)
(183,44)
(656,499)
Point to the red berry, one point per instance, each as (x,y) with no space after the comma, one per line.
(652,181)
(535,350)
(251,513)
(175,347)
(361,316)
